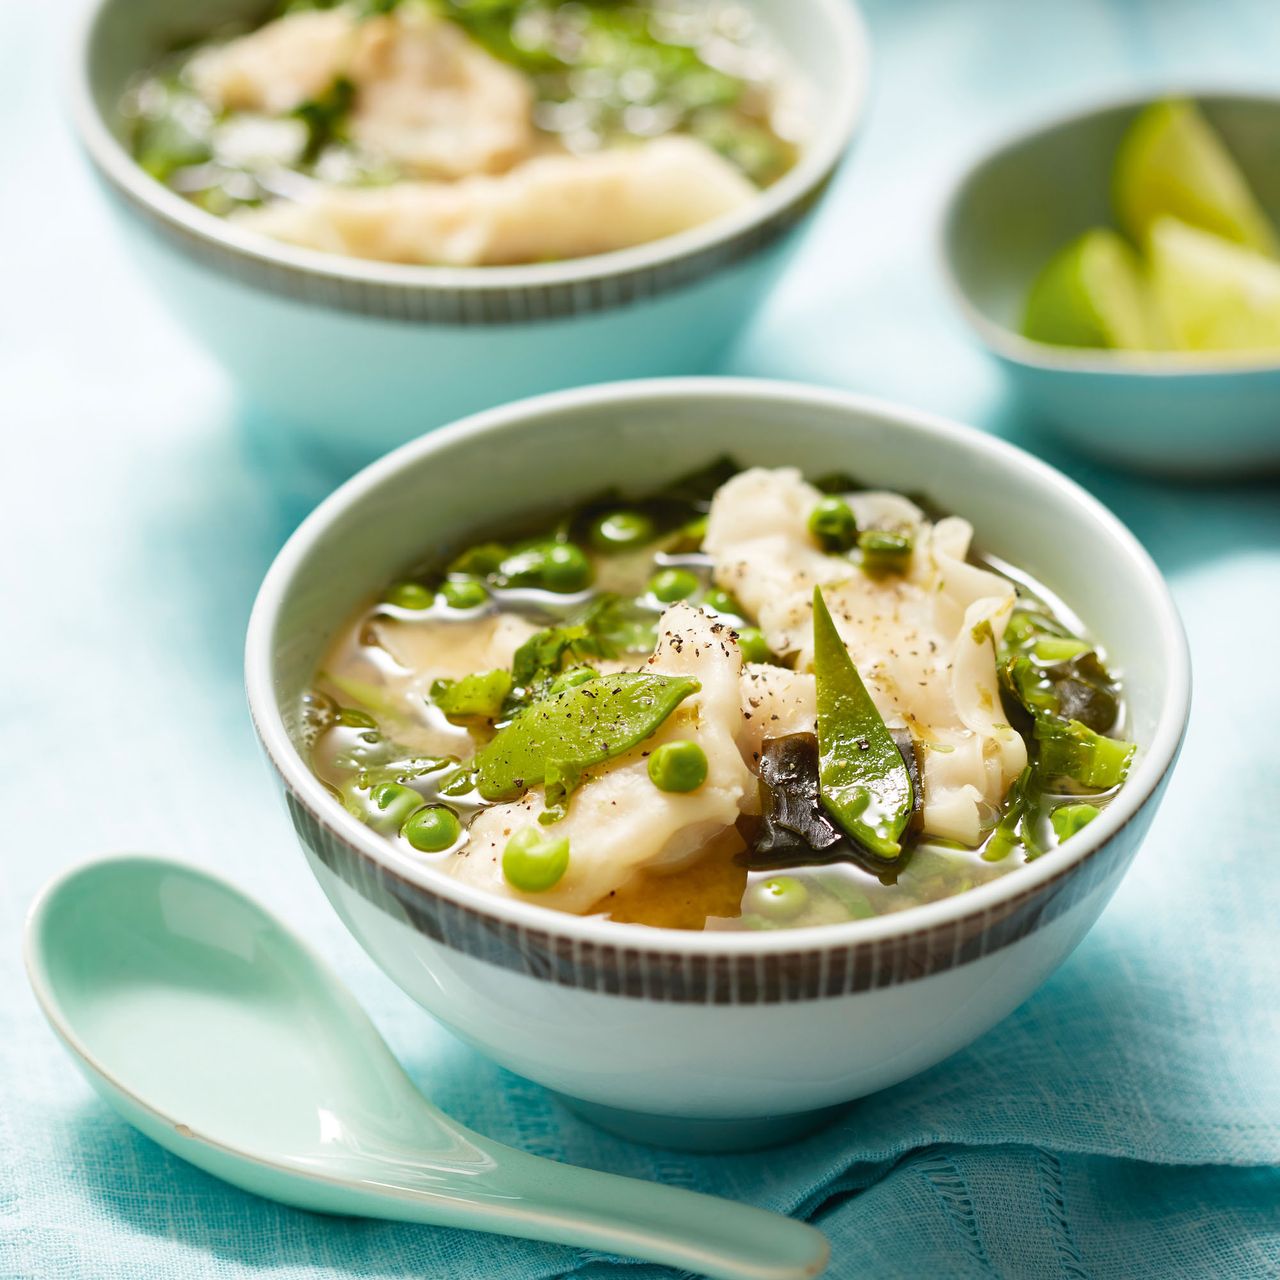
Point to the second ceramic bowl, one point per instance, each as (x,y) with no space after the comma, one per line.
(359,356)
(1190,414)
(715,1038)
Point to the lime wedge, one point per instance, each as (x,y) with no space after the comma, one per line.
(1092,294)
(1215,295)
(1171,162)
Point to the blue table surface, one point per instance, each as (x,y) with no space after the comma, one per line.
(1126,1121)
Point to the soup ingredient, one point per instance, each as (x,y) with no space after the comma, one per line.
(409,595)
(1068,819)
(480,695)
(864,783)
(722,602)
(884,551)
(550,207)
(777,898)
(670,585)
(923,640)
(432,829)
(564,568)
(1215,295)
(535,860)
(617,821)
(450,132)
(1171,163)
(385,806)
(422,95)
(556,740)
(678,766)
(464,594)
(1055,686)
(994,712)
(1092,294)
(621,531)
(833,524)
(795,828)
(1072,750)
(755,648)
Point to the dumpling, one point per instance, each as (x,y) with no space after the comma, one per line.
(618,822)
(428,98)
(280,65)
(447,650)
(758,536)
(923,642)
(392,664)
(433,101)
(549,207)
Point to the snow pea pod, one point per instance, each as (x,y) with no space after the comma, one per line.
(558,738)
(864,781)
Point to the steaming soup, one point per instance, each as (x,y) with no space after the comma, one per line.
(747,701)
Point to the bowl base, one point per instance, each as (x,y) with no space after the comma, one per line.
(683,1133)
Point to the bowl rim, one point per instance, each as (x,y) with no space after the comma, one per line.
(1153,764)
(1012,346)
(841,113)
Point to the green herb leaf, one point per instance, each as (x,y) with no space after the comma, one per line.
(1068,819)
(1072,750)
(556,739)
(325,117)
(865,783)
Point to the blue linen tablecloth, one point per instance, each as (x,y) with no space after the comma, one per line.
(1124,1122)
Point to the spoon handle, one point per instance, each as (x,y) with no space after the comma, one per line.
(539,1199)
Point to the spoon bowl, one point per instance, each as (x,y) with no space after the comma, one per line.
(215,1031)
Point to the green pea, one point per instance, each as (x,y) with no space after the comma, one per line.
(467,594)
(390,804)
(777,898)
(670,585)
(691,536)
(479,561)
(1067,819)
(432,829)
(621,531)
(535,860)
(409,595)
(884,552)
(678,766)
(755,648)
(722,602)
(564,568)
(833,524)
(571,679)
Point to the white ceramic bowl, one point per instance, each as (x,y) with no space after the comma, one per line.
(711,1038)
(360,356)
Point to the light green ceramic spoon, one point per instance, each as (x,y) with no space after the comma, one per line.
(207,1024)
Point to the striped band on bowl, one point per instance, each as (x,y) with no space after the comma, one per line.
(475,304)
(680,977)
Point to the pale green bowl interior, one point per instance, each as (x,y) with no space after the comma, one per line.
(1028,199)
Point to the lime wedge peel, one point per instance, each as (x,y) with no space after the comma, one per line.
(1171,163)
(1093,293)
(1215,296)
